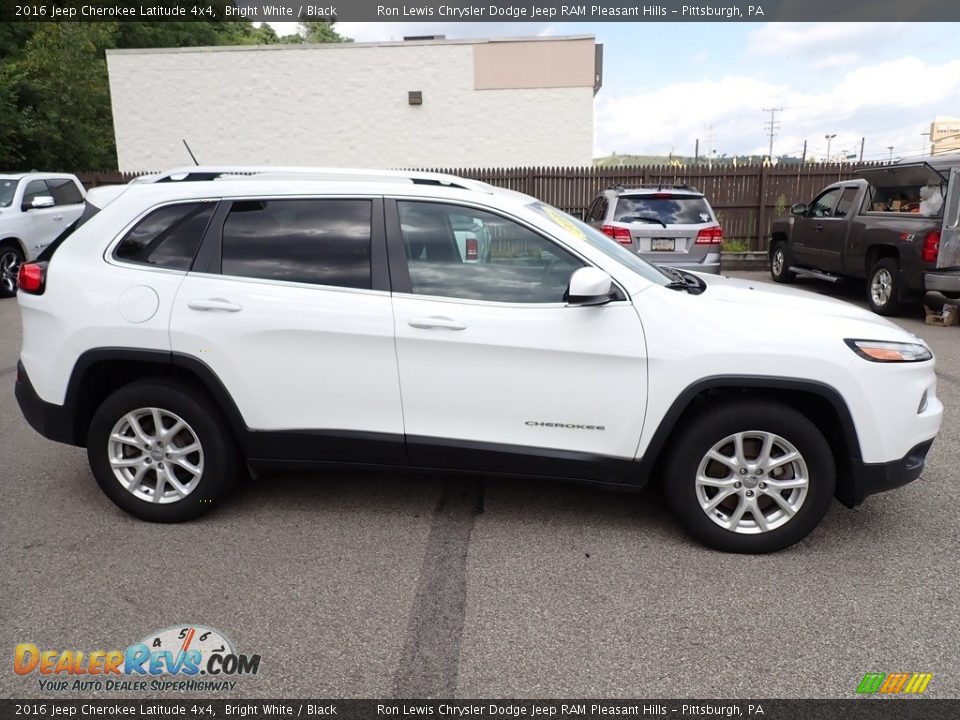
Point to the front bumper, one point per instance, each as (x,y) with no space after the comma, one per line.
(944,281)
(54,422)
(872,478)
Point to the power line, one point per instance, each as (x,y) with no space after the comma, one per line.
(772,126)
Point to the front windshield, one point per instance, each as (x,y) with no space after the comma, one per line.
(597,240)
(8,186)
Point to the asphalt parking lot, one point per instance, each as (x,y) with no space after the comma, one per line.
(360,584)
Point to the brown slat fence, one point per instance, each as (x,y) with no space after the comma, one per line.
(746,198)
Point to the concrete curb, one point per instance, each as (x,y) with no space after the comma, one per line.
(753,260)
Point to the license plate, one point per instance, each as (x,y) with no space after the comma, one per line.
(661,244)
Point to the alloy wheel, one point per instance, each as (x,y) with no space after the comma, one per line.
(155,455)
(777,261)
(9,267)
(881,287)
(752,482)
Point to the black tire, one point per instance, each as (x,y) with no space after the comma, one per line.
(780,263)
(885,273)
(721,420)
(220,466)
(10,260)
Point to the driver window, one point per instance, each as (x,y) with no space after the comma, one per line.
(33,190)
(459,252)
(823,206)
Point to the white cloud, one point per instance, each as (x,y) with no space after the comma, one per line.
(889,103)
(807,39)
(384,31)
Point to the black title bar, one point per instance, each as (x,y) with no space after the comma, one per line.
(498,11)
(201,708)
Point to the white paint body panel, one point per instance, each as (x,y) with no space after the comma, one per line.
(302,357)
(296,356)
(512,365)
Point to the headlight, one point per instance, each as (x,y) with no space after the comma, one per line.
(881,351)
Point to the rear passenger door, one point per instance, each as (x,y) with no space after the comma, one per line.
(289,305)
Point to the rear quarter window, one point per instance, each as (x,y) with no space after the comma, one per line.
(168,237)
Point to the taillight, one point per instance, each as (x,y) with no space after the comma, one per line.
(32,277)
(473,249)
(620,234)
(710,236)
(931,246)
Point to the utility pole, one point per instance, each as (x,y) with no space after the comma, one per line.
(696,152)
(829,139)
(710,148)
(863,140)
(772,127)
(804,158)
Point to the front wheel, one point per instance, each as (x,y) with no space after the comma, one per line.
(883,287)
(10,260)
(779,264)
(750,477)
(161,452)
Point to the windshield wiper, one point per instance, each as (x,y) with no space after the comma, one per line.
(645,218)
(685,281)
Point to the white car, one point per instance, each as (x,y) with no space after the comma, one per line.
(34,209)
(296,317)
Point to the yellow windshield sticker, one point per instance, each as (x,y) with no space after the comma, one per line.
(563,221)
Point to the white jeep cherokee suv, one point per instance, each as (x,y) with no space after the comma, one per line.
(290,317)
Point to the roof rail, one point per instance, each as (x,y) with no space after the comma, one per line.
(655,186)
(200,173)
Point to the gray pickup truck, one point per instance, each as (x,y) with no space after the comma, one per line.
(896,226)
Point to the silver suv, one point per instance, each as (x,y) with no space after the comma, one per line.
(670,225)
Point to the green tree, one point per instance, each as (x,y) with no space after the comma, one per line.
(63,102)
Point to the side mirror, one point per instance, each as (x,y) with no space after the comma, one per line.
(798,209)
(41,201)
(589,286)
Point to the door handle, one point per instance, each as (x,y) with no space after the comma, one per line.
(58,217)
(819,227)
(214,304)
(437,321)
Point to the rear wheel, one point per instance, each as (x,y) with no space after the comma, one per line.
(779,263)
(750,477)
(161,452)
(10,260)
(883,287)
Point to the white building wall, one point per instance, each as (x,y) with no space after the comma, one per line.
(337,106)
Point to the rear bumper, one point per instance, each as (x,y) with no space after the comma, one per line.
(54,422)
(872,478)
(944,281)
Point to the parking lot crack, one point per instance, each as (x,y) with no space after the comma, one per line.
(431,653)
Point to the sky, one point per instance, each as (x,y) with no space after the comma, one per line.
(665,85)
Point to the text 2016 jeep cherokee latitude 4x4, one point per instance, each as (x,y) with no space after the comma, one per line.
(289,317)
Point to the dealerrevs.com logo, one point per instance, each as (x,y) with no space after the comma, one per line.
(185,658)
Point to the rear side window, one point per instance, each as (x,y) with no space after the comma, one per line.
(169,237)
(323,242)
(846,201)
(64,191)
(663,208)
